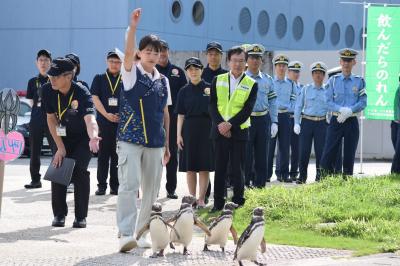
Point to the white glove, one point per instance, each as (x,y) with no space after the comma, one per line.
(274,130)
(297,129)
(345,112)
(341,118)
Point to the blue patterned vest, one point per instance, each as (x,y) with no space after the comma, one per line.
(142,112)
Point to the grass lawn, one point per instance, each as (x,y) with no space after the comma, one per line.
(362,215)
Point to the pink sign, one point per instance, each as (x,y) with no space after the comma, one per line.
(11,145)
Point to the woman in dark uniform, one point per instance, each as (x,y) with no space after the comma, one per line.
(193,130)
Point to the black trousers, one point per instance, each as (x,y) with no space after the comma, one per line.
(225,150)
(349,131)
(81,179)
(107,159)
(172,165)
(395,130)
(37,130)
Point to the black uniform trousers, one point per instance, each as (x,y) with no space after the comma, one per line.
(311,130)
(257,150)
(395,130)
(37,130)
(172,165)
(349,131)
(107,159)
(80,177)
(225,150)
(283,137)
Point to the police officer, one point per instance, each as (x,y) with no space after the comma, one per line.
(286,98)
(105,90)
(310,120)
(177,80)
(264,112)
(346,98)
(214,57)
(38,126)
(230,111)
(294,69)
(77,64)
(395,133)
(71,120)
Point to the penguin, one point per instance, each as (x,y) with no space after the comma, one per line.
(251,238)
(220,228)
(158,231)
(184,221)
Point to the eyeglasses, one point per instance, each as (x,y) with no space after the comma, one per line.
(114,61)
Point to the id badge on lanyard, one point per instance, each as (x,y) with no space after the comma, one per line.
(61,131)
(112,101)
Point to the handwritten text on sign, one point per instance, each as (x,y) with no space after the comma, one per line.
(11,146)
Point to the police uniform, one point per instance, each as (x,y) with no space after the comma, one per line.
(395,133)
(192,102)
(77,63)
(208,75)
(233,105)
(294,138)
(107,88)
(310,113)
(38,124)
(70,110)
(177,79)
(346,98)
(264,112)
(286,98)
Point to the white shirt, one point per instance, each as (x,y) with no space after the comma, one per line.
(129,78)
(233,82)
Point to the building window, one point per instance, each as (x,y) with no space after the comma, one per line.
(319,31)
(281,26)
(349,36)
(263,23)
(335,34)
(198,12)
(176,10)
(244,20)
(298,28)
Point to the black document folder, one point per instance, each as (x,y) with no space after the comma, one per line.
(61,175)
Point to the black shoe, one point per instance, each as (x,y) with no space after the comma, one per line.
(58,221)
(172,195)
(300,182)
(206,200)
(268,181)
(33,184)
(113,192)
(215,209)
(100,192)
(79,223)
(279,179)
(287,180)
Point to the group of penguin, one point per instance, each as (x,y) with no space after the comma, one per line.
(217,234)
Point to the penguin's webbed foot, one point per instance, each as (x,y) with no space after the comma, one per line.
(258,263)
(240,263)
(153,256)
(185,251)
(171,245)
(161,253)
(223,249)
(205,248)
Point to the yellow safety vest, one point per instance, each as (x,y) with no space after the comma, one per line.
(229,107)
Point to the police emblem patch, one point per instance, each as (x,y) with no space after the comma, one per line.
(175,72)
(207,91)
(355,90)
(74,104)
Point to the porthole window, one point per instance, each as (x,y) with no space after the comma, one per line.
(176,10)
(298,28)
(244,20)
(335,34)
(198,12)
(349,36)
(263,23)
(281,26)
(319,31)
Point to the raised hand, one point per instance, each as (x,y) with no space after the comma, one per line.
(135,17)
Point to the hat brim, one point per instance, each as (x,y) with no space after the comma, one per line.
(281,62)
(193,64)
(214,48)
(254,53)
(54,72)
(347,58)
(318,69)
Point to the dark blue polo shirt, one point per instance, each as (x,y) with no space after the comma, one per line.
(34,92)
(208,74)
(78,103)
(102,89)
(177,79)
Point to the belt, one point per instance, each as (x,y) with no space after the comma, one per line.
(281,111)
(291,115)
(338,113)
(261,113)
(314,118)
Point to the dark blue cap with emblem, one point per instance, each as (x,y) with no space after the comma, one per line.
(193,61)
(214,45)
(59,66)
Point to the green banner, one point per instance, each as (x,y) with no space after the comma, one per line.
(382,61)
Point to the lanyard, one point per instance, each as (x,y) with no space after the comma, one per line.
(37,82)
(60,114)
(113,89)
